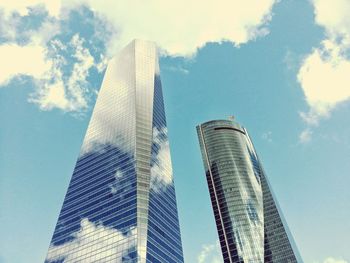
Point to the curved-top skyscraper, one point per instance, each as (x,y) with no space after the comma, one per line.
(120,205)
(250,225)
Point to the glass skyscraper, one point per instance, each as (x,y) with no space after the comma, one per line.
(120,205)
(250,224)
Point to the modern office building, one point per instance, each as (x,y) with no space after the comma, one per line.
(120,205)
(250,224)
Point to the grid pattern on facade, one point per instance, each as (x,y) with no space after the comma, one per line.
(278,248)
(113,211)
(245,212)
(164,242)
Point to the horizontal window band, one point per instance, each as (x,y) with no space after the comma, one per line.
(229,128)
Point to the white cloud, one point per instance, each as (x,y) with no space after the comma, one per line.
(58,62)
(267,136)
(334,18)
(68,94)
(305,135)
(178,69)
(111,244)
(52,95)
(334,260)
(39,54)
(311,117)
(195,22)
(325,78)
(21,6)
(18,60)
(161,171)
(325,73)
(210,254)
(181,27)
(120,187)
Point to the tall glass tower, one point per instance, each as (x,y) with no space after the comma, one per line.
(120,205)
(250,224)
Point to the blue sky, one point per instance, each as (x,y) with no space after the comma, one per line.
(282,68)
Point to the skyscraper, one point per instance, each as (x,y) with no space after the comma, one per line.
(120,205)
(250,225)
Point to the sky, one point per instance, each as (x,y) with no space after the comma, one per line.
(282,68)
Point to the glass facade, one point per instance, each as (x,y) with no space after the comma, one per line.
(250,225)
(120,205)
